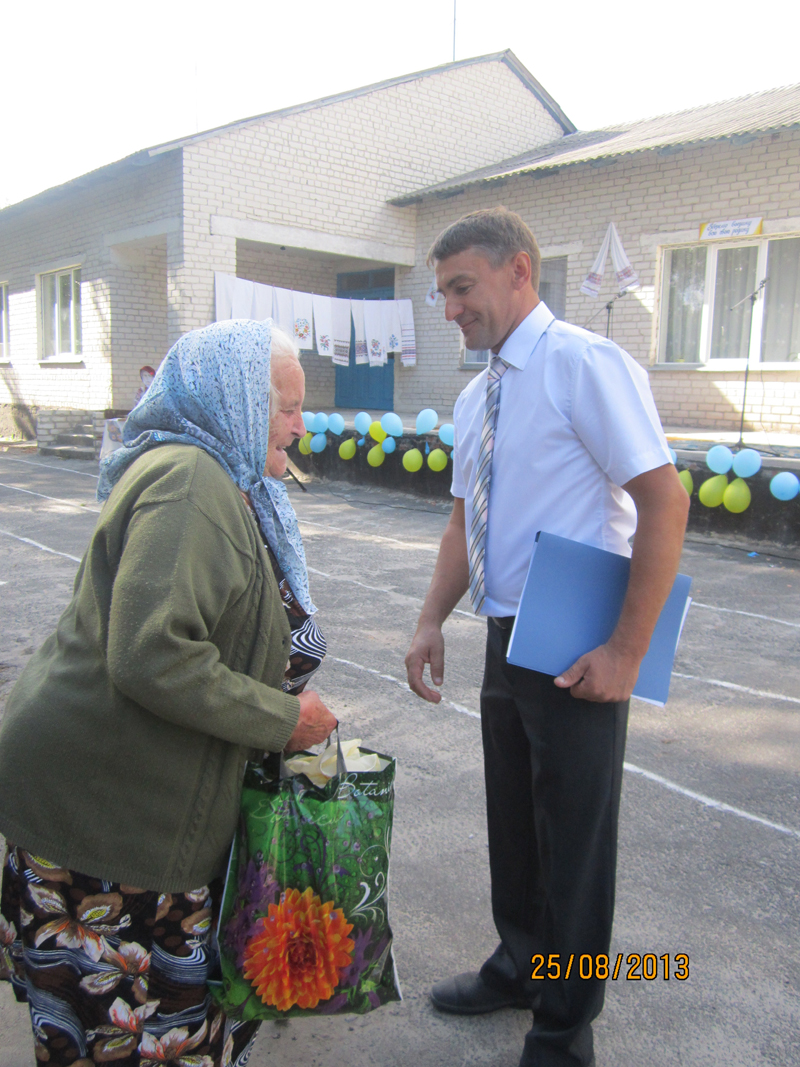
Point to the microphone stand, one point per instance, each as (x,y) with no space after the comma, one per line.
(609,309)
(752,297)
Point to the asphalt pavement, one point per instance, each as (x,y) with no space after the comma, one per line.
(710,826)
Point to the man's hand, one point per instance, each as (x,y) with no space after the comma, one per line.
(314,725)
(603,675)
(427,647)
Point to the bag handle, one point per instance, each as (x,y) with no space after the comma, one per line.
(341,766)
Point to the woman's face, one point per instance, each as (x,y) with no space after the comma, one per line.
(286,425)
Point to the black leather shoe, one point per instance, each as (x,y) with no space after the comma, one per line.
(468,994)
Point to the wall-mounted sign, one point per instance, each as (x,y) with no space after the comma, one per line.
(712,231)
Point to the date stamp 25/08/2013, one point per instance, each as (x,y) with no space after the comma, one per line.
(637,966)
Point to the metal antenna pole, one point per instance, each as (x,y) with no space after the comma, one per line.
(454,30)
(752,297)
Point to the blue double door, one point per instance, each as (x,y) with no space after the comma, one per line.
(359,385)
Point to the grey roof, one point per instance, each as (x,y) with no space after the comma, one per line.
(741,119)
(143,157)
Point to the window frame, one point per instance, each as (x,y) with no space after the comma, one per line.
(706,362)
(5,331)
(56,273)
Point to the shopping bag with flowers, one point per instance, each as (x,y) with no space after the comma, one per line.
(304,926)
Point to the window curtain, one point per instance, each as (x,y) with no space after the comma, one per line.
(687,281)
(736,280)
(780,339)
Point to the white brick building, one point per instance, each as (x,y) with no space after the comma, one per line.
(362,182)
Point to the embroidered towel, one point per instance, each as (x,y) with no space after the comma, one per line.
(242,302)
(223,294)
(283,310)
(262,301)
(406,311)
(357,308)
(373,328)
(626,275)
(302,304)
(340,314)
(392,330)
(323,324)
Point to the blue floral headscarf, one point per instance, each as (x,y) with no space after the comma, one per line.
(212,391)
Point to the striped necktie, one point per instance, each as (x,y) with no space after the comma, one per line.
(480,497)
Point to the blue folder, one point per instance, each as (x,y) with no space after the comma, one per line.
(571,603)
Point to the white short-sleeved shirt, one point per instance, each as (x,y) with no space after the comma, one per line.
(577,420)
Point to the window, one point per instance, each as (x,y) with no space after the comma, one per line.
(710,311)
(61,314)
(4,349)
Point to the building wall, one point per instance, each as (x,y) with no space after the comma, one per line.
(123,308)
(646,196)
(333,169)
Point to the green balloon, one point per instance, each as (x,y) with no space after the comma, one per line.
(412,460)
(437,460)
(736,497)
(686,481)
(376,455)
(712,490)
(347,449)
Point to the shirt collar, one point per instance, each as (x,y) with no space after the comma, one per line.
(518,347)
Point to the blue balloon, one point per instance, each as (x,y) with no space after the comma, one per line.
(362,422)
(336,423)
(785,486)
(673,455)
(318,442)
(308,420)
(719,459)
(388,444)
(447,433)
(746,463)
(361,442)
(426,420)
(320,423)
(392,424)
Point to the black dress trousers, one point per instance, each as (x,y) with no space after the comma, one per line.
(553,767)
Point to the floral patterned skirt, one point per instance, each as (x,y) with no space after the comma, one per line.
(112,973)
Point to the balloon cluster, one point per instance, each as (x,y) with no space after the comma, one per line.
(735,495)
(384,433)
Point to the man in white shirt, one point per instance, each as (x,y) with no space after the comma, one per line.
(559,434)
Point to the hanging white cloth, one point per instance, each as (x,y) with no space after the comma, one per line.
(242,302)
(302,320)
(392,330)
(223,294)
(323,324)
(283,310)
(373,328)
(357,308)
(626,275)
(262,301)
(409,339)
(340,315)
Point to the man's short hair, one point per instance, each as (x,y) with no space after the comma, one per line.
(496,233)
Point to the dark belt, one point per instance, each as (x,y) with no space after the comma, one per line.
(505,622)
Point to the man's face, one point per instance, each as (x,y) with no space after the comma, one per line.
(286,424)
(483,299)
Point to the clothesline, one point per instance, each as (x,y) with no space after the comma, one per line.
(379,326)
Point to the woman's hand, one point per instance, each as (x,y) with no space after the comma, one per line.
(314,725)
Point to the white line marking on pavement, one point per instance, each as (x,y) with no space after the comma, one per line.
(709,802)
(50,466)
(369,536)
(738,688)
(378,589)
(403,685)
(44,548)
(749,614)
(55,499)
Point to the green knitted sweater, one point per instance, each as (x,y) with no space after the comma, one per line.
(124,741)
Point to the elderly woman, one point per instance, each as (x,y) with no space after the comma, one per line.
(125,739)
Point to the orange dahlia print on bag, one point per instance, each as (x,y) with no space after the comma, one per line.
(299,951)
